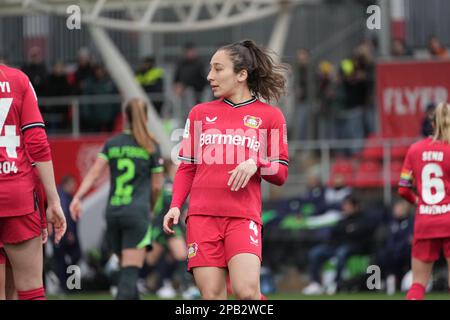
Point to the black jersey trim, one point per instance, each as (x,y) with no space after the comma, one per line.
(191,160)
(237,105)
(33,125)
(285,162)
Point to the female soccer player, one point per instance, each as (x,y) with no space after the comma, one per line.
(134,164)
(22,134)
(7,288)
(427,169)
(228,146)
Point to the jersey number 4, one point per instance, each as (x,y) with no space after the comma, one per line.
(8,139)
(432,180)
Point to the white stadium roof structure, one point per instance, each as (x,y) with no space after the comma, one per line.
(142,16)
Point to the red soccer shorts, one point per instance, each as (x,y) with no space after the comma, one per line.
(213,241)
(429,250)
(21,228)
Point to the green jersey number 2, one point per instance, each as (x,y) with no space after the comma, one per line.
(123,194)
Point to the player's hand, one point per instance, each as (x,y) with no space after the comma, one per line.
(172,217)
(75,208)
(241,175)
(56,221)
(44,235)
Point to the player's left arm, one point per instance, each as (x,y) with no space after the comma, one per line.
(406,183)
(38,148)
(274,169)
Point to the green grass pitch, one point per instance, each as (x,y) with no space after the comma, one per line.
(278,296)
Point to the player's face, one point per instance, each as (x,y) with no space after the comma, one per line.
(222,78)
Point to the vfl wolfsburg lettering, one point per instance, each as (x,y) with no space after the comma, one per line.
(237,140)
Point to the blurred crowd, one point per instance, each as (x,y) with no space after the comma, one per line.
(89,78)
(333,99)
(339,97)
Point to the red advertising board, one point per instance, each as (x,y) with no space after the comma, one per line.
(75,156)
(404,89)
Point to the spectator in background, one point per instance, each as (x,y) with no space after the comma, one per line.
(151,78)
(436,49)
(349,236)
(337,192)
(57,116)
(84,70)
(357,78)
(394,258)
(57,82)
(68,251)
(36,70)
(363,82)
(2,58)
(99,116)
(427,126)
(302,115)
(190,73)
(315,191)
(326,95)
(399,49)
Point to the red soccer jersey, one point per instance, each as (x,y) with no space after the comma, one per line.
(218,136)
(427,168)
(18,112)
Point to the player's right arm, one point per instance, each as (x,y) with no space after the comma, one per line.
(87,183)
(185,174)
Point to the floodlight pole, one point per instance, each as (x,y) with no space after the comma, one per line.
(123,76)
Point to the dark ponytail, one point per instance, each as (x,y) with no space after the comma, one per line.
(265,77)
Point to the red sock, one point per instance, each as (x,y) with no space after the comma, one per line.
(35,294)
(263,297)
(416,292)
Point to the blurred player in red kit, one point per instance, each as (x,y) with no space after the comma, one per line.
(22,136)
(229,145)
(427,169)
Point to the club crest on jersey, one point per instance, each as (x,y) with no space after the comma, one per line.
(192,250)
(252,122)
(211,120)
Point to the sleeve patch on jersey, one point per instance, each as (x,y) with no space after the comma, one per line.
(406,175)
(405,179)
